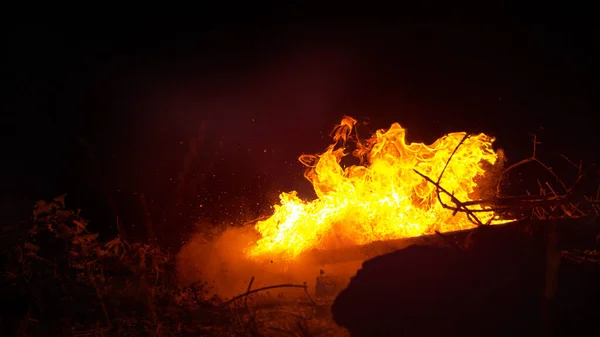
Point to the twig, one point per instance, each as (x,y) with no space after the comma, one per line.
(308,295)
(582,175)
(438,186)
(551,189)
(548,197)
(450,158)
(551,172)
(251,319)
(533,158)
(247,291)
(265,288)
(542,189)
(571,162)
(458,203)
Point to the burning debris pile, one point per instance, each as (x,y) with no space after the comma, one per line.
(386,195)
(368,190)
(400,190)
(448,196)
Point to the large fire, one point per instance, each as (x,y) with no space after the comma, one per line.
(380,197)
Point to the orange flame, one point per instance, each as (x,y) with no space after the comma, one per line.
(382,198)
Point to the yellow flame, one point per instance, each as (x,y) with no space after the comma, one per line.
(381,198)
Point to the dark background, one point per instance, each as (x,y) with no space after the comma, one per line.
(259,87)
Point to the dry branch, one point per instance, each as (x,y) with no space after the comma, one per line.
(545,205)
(460,207)
(250,292)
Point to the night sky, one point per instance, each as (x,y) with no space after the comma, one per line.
(257,91)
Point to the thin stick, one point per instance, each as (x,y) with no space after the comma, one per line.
(265,288)
(552,172)
(308,295)
(569,160)
(251,319)
(458,203)
(551,189)
(470,215)
(438,186)
(247,291)
(533,158)
(452,155)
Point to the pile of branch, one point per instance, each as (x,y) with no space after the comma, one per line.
(551,202)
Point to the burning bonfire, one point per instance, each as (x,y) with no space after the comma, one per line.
(385,195)
(384,204)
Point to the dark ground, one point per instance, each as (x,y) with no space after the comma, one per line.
(259,87)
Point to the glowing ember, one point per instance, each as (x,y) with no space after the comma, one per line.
(381,198)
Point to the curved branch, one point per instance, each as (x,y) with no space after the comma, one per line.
(460,206)
(265,288)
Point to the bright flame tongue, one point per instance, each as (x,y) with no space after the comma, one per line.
(380,199)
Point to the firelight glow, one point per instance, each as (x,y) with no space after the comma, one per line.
(381,198)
